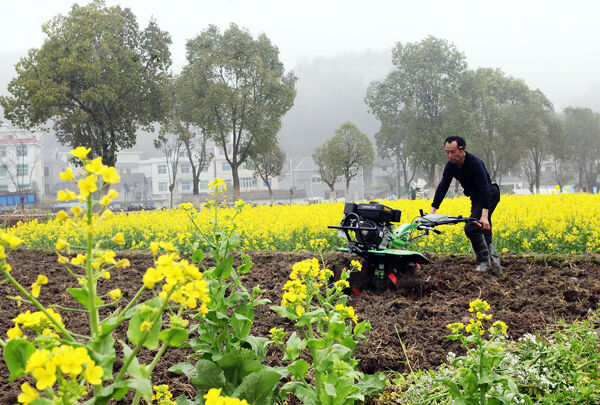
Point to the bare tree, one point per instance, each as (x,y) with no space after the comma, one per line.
(170,144)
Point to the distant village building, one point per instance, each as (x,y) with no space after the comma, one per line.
(21,161)
(305,176)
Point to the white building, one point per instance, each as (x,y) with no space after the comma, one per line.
(21,160)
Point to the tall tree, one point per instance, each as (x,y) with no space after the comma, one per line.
(419,91)
(350,152)
(562,150)
(194,138)
(239,91)
(537,126)
(582,127)
(97,76)
(494,107)
(267,164)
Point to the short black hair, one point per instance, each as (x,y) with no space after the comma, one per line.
(460,142)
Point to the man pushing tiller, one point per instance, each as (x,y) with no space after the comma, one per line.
(471,173)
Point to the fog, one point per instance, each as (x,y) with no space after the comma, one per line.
(337,47)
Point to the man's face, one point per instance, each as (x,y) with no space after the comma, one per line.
(455,154)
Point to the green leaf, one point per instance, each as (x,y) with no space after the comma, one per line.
(174,337)
(145,313)
(183,368)
(299,368)
(103,351)
(82,296)
(242,319)
(293,346)
(260,345)
(208,375)
(371,384)
(223,269)
(283,312)
(140,381)
(259,388)
(336,329)
(109,324)
(361,328)
(330,389)
(16,353)
(245,268)
(236,297)
(308,318)
(306,394)
(198,256)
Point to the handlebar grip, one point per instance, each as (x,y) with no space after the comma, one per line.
(421,212)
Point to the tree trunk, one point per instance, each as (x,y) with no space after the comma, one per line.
(333,196)
(236,182)
(270,192)
(347,188)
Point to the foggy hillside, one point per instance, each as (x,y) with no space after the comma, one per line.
(329,92)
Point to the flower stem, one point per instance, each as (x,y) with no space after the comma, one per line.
(91,281)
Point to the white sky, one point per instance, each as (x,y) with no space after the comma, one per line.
(552,45)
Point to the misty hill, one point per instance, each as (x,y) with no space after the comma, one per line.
(329,92)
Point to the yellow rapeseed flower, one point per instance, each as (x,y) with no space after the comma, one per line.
(88,185)
(67,175)
(111,176)
(81,152)
(114,294)
(119,238)
(95,166)
(28,394)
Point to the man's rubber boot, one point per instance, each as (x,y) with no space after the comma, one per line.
(482,253)
(494,260)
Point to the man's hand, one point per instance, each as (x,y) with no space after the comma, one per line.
(485,223)
(433,210)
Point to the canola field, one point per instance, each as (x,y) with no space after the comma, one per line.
(560,223)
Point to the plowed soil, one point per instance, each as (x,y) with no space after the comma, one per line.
(532,294)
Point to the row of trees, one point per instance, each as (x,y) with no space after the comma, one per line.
(98,78)
(431,95)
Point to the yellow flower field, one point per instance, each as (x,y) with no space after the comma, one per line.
(563,223)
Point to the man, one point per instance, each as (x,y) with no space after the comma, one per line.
(470,171)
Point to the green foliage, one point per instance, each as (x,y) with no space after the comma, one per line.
(68,367)
(330,332)
(419,93)
(236,91)
(477,380)
(561,369)
(97,77)
(229,357)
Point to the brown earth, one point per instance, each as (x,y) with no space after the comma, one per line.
(533,293)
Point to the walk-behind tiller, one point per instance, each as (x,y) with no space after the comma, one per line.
(370,234)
